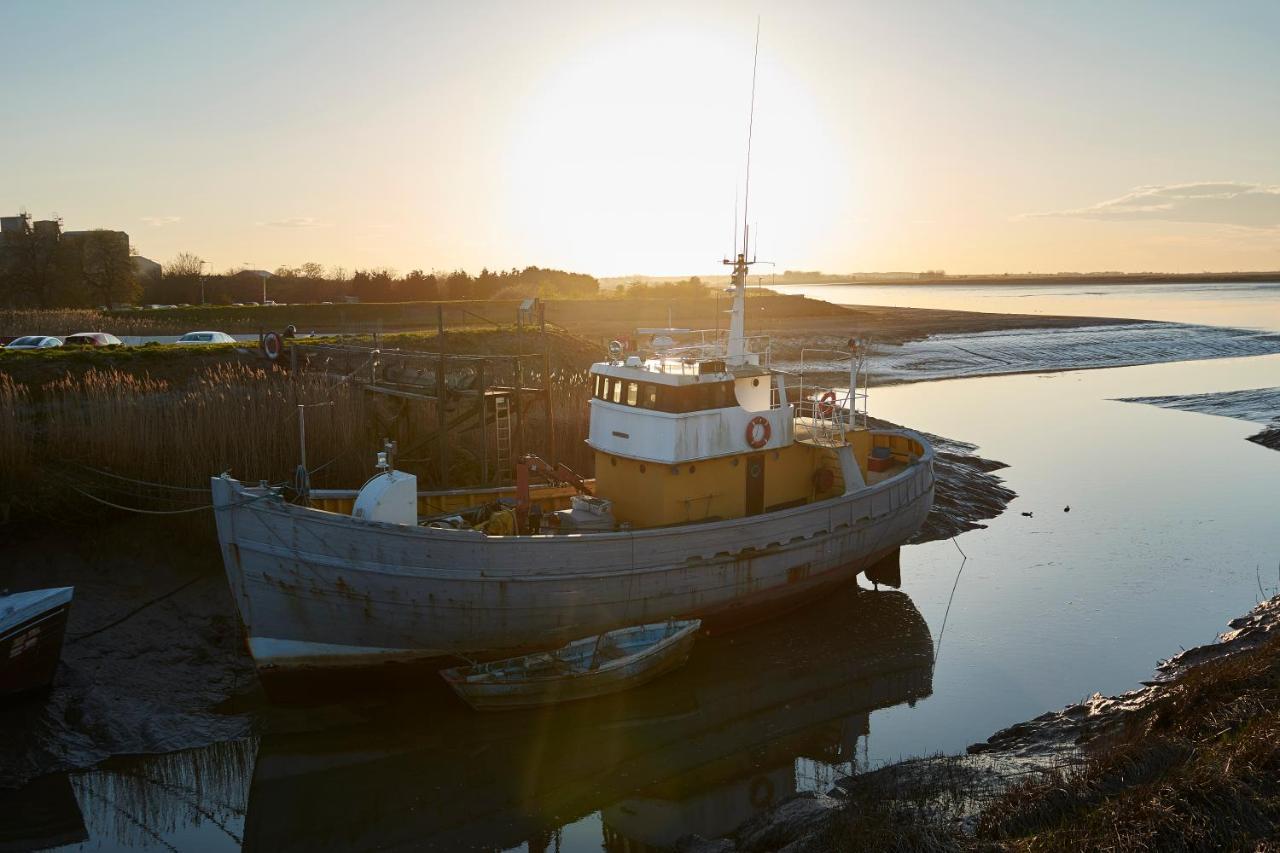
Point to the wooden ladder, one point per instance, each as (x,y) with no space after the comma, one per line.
(502,436)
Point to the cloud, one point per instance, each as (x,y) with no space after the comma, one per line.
(296,222)
(1226,203)
(161,221)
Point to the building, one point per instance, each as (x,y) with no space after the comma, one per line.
(145,268)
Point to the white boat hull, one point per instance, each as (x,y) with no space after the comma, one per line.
(320,589)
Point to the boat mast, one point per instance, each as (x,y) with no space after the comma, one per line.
(737,349)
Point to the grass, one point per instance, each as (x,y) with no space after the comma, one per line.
(593,316)
(1198,768)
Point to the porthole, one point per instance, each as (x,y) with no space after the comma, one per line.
(642,468)
(735,462)
(692,468)
(755,383)
(675,469)
(613,460)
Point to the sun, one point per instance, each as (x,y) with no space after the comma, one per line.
(628,156)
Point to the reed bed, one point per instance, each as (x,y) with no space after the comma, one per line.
(16,440)
(112,430)
(68,321)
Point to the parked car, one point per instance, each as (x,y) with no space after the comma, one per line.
(92,339)
(206,338)
(34,342)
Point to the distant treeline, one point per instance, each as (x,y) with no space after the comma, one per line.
(689,287)
(181,283)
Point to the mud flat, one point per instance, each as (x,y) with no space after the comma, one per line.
(1258,405)
(153,660)
(1187,761)
(1086,345)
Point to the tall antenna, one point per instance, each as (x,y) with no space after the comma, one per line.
(735,223)
(751,120)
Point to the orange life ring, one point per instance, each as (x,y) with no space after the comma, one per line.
(759,439)
(272,345)
(827,404)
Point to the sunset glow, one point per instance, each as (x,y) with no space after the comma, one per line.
(977,137)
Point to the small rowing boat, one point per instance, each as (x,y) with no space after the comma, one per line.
(589,667)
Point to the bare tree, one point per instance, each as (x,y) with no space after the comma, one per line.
(185,265)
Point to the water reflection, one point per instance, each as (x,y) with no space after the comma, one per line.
(702,750)
(43,814)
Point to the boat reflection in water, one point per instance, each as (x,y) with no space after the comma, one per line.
(700,750)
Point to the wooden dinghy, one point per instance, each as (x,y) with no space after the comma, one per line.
(592,666)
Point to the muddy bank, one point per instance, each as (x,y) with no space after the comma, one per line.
(1081,347)
(152,646)
(1039,778)
(1257,405)
(153,659)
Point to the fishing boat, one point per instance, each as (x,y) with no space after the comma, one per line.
(589,667)
(32,625)
(725,489)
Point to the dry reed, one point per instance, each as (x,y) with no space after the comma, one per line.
(68,321)
(227,418)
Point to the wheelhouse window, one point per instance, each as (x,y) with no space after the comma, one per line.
(677,399)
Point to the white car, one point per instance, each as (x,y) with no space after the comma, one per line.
(206,338)
(34,342)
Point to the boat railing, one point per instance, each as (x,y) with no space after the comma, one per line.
(831,409)
(712,345)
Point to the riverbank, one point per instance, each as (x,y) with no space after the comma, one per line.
(153,660)
(1190,761)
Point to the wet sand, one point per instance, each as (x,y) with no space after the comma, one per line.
(1259,405)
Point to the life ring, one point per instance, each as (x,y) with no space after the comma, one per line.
(827,404)
(272,345)
(761,792)
(758,439)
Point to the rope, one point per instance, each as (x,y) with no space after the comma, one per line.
(135,611)
(142,482)
(143,511)
(168,511)
(965,558)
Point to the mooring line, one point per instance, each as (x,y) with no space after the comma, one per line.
(937,650)
(135,611)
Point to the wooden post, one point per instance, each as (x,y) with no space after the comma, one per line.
(440,321)
(519,410)
(482,384)
(548,407)
(442,443)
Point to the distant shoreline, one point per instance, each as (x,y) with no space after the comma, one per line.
(1131,278)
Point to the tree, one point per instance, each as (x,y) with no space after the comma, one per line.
(185,265)
(98,267)
(181,278)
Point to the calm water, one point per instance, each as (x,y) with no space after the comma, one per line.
(1253,305)
(1171,531)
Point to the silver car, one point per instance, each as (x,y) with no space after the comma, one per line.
(206,338)
(34,342)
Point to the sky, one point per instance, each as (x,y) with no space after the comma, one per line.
(611,138)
